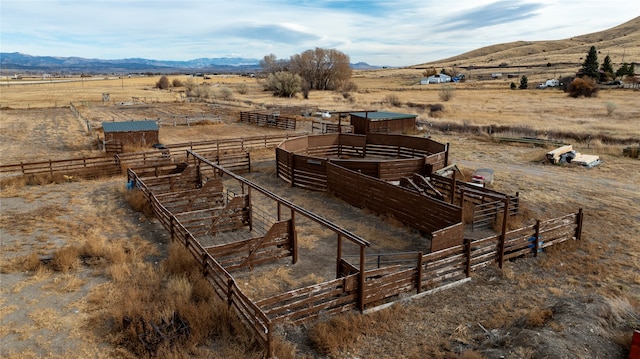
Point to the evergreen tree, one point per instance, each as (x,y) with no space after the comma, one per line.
(626,70)
(623,70)
(524,82)
(607,67)
(590,65)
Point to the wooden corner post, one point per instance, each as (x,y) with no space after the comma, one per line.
(579,219)
(361,291)
(503,235)
(339,256)
(294,238)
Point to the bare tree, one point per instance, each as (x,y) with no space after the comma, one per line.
(322,69)
(270,64)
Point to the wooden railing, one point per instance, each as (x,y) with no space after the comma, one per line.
(415,272)
(106,166)
(85,167)
(269,120)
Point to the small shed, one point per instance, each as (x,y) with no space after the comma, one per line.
(382,122)
(139,133)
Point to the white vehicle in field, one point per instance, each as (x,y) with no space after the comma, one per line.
(549,83)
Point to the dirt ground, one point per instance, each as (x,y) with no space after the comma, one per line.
(580,300)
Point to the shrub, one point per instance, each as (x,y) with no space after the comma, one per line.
(190,84)
(513,85)
(446,92)
(163,83)
(283,84)
(242,88)
(393,100)
(611,106)
(586,87)
(225,93)
(176,83)
(349,86)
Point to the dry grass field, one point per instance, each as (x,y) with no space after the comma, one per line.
(78,257)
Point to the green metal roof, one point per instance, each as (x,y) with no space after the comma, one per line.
(130,126)
(381,115)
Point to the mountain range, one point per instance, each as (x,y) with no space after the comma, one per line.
(18,62)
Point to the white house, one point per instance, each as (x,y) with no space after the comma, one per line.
(435,79)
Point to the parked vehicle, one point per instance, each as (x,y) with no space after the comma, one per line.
(483,176)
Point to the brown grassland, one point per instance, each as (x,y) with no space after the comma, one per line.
(82,262)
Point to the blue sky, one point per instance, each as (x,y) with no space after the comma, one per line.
(394,33)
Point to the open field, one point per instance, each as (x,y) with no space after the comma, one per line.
(580,300)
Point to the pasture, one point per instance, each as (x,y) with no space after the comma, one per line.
(580,299)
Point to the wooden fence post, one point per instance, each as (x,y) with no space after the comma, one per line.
(537,244)
(361,291)
(579,219)
(468,253)
(250,214)
(229,292)
(279,208)
(503,235)
(294,238)
(446,154)
(204,263)
(171,226)
(339,256)
(292,159)
(269,339)
(419,285)
(453,187)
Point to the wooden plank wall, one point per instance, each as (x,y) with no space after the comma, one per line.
(422,213)
(269,120)
(275,244)
(304,304)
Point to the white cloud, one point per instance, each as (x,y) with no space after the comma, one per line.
(378,32)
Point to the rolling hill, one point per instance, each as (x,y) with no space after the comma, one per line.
(621,43)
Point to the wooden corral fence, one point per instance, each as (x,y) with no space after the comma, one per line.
(231,154)
(112,147)
(239,162)
(388,275)
(83,167)
(325,127)
(173,190)
(302,161)
(441,220)
(487,204)
(357,286)
(269,120)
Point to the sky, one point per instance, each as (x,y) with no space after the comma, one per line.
(383,33)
